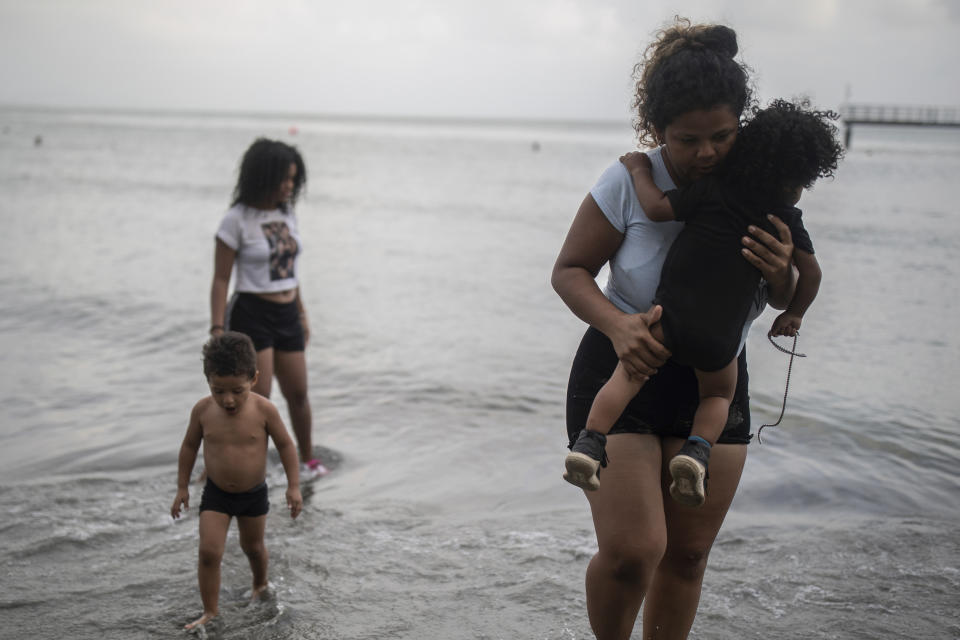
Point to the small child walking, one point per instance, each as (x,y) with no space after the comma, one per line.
(233,423)
(707,286)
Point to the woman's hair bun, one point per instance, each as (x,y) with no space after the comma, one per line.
(720,38)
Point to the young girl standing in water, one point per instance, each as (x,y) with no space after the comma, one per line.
(259,240)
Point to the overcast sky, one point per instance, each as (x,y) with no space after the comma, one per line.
(554,59)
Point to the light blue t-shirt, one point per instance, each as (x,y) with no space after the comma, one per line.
(635,267)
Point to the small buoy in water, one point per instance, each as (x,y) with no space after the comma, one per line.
(535,146)
(293,130)
(37,141)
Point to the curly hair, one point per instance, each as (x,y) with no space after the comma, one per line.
(230,354)
(786,145)
(687,67)
(265,165)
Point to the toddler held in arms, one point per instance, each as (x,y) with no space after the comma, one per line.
(707,285)
(233,424)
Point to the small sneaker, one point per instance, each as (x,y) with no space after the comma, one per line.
(586,457)
(689,472)
(312,469)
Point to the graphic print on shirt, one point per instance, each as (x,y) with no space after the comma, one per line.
(283,249)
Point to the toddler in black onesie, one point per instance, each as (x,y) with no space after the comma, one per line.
(707,286)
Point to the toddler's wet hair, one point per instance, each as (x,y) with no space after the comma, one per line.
(229,354)
(787,144)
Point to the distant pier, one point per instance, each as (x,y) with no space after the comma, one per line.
(896,115)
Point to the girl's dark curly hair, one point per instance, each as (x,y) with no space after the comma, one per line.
(264,167)
(784,146)
(687,67)
(230,354)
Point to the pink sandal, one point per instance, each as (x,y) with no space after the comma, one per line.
(313,469)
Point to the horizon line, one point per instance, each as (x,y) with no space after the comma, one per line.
(421,118)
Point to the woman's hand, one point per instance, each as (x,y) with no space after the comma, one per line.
(639,351)
(590,243)
(774,258)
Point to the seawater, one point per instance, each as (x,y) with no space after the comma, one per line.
(437,370)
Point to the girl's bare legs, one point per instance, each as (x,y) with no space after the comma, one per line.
(290,368)
(251,531)
(265,368)
(291,371)
(213,536)
(628,515)
(675,592)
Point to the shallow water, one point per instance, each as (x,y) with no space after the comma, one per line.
(438,369)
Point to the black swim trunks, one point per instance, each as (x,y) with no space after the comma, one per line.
(251,503)
(269,324)
(664,406)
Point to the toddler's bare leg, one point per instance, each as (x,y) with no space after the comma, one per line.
(616,394)
(251,541)
(587,454)
(716,394)
(611,400)
(213,536)
(688,469)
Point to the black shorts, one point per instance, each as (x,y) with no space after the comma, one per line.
(249,504)
(664,406)
(268,324)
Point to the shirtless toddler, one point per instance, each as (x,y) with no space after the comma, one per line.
(233,423)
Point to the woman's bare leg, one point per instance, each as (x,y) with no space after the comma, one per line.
(213,537)
(291,370)
(631,534)
(675,592)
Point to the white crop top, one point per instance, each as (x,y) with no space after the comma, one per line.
(267,246)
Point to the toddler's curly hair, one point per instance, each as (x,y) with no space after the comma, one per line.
(785,145)
(229,354)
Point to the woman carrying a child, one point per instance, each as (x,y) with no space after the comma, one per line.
(690,95)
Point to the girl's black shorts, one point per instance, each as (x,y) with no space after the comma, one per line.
(268,324)
(664,406)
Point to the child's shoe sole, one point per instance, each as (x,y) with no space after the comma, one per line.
(688,476)
(582,471)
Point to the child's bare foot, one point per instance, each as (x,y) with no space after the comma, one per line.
(202,620)
(260,592)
